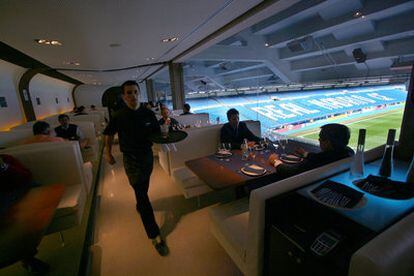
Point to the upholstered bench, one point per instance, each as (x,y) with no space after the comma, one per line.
(58,163)
(239,226)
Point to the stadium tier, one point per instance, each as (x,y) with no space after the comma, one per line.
(275,110)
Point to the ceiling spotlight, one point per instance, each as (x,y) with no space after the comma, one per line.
(71,63)
(357,14)
(170,39)
(48,42)
(151,58)
(267,44)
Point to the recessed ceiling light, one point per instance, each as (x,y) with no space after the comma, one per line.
(267,44)
(151,58)
(357,14)
(170,39)
(71,63)
(48,42)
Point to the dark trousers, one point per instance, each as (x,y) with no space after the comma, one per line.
(138,169)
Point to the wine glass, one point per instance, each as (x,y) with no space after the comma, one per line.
(283,142)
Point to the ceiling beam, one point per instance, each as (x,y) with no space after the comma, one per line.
(241,69)
(393,50)
(387,29)
(316,26)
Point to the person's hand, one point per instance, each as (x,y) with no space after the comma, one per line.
(272,158)
(301,152)
(110,158)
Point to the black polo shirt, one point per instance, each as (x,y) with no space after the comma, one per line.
(133,128)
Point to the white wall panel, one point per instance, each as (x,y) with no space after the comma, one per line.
(92,94)
(47,89)
(11,115)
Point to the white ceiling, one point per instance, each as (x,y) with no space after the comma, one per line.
(327,30)
(88,28)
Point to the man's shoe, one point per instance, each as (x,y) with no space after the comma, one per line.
(161,247)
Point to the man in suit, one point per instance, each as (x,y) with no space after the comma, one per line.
(69,131)
(235,132)
(333,141)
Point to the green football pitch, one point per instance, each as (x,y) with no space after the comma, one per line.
(376,125)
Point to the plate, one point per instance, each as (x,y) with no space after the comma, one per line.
(253,170)
(223,154)
(290,159)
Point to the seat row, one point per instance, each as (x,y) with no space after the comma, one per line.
(62,163)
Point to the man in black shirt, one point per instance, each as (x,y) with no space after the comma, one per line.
(134,125)
(235,132)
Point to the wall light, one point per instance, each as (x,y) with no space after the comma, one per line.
(48,42)
(170,39)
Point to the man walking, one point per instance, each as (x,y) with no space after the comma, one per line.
(134,124)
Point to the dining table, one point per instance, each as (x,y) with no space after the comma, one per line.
(24,223)
(225,172)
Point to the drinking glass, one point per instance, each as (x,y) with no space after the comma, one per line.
(283,142)
(164,130)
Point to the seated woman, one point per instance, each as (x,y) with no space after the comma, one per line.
(333,141)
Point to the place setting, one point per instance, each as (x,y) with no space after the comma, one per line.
(223,151)
(253,170)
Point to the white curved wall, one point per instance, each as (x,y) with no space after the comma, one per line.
(48,89)
(11,115)
(92,94)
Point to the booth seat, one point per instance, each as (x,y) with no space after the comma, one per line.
(390,253)
(14,137)
(239,226)
(196,119)
(95,118)
(199,142)
(52,163)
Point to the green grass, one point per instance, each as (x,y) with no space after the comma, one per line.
(377,128)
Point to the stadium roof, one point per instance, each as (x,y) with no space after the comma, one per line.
(223,44)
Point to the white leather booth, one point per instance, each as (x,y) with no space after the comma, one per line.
(239,225)
(196,119)
(62,163)
(14,137)
(199,142)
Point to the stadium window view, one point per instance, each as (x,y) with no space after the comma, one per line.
(216,137)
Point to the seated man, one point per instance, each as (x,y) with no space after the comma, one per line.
(70,131)
(166,120)
(186,109)
(41,132)
(333,141)
(93,107)
(235,132)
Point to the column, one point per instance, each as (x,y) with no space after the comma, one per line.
(177,84)
(150,90)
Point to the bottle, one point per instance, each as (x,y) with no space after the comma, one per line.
(410,173)
(386,163)
(357,166)
(245,150)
